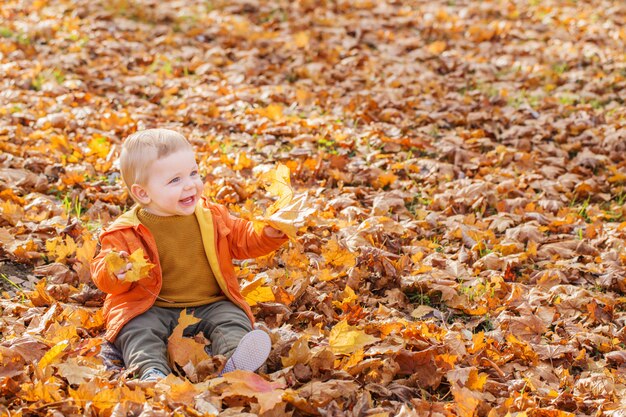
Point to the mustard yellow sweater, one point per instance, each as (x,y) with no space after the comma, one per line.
(188,280)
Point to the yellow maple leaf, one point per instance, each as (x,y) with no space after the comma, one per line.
(41,391)
(256,292)
(53,354)
(12,213)
(87,251)
(302,39)
(336,255)
(476,380)
(115,262)
(100,146)
(346,339)
(60,248)
(291,217)
(327,275)
(287,213)
(140,266)
(278,185)
(57,333)
(179,390)
(353,360)
(242,161)
(349,297)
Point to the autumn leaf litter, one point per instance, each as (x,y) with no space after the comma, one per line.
(463,162)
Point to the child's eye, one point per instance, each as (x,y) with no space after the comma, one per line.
(174,180)
(194,173)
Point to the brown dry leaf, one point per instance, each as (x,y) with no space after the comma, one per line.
(318,394)
(298,353)
(421,364)
(76,371)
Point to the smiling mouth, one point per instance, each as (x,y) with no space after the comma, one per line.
(188,200)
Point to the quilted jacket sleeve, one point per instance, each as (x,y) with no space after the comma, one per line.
(243,241)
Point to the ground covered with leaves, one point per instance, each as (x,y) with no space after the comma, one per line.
(465,160)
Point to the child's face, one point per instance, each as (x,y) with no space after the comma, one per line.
(174,185)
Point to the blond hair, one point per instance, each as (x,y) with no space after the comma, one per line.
(144,147)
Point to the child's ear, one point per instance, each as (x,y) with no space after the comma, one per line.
(140,193)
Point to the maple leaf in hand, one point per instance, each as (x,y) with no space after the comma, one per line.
(139,265)
(288,213)
(279,185)
(291,217)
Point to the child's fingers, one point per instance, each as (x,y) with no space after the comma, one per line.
(122,272)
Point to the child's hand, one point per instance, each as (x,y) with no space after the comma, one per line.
(121,273)
(269,231)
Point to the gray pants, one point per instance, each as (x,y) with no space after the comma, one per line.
(143,340)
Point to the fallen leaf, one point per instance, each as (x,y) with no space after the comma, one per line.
(346,339)
(248,384)
(183,350)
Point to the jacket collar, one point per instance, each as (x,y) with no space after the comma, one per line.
(131,220)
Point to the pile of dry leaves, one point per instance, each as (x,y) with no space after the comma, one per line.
(464,161)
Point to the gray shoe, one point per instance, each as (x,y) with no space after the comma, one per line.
(252,352)
(152,375)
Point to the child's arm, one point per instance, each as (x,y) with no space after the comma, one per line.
(100,274)
(244,242)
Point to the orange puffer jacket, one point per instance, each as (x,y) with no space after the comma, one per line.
(224,237)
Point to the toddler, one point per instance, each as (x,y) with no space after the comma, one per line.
(191,243)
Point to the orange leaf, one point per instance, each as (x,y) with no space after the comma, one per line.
(273,112)
(183,350)
(437,47)
(109,398)
(179,390)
